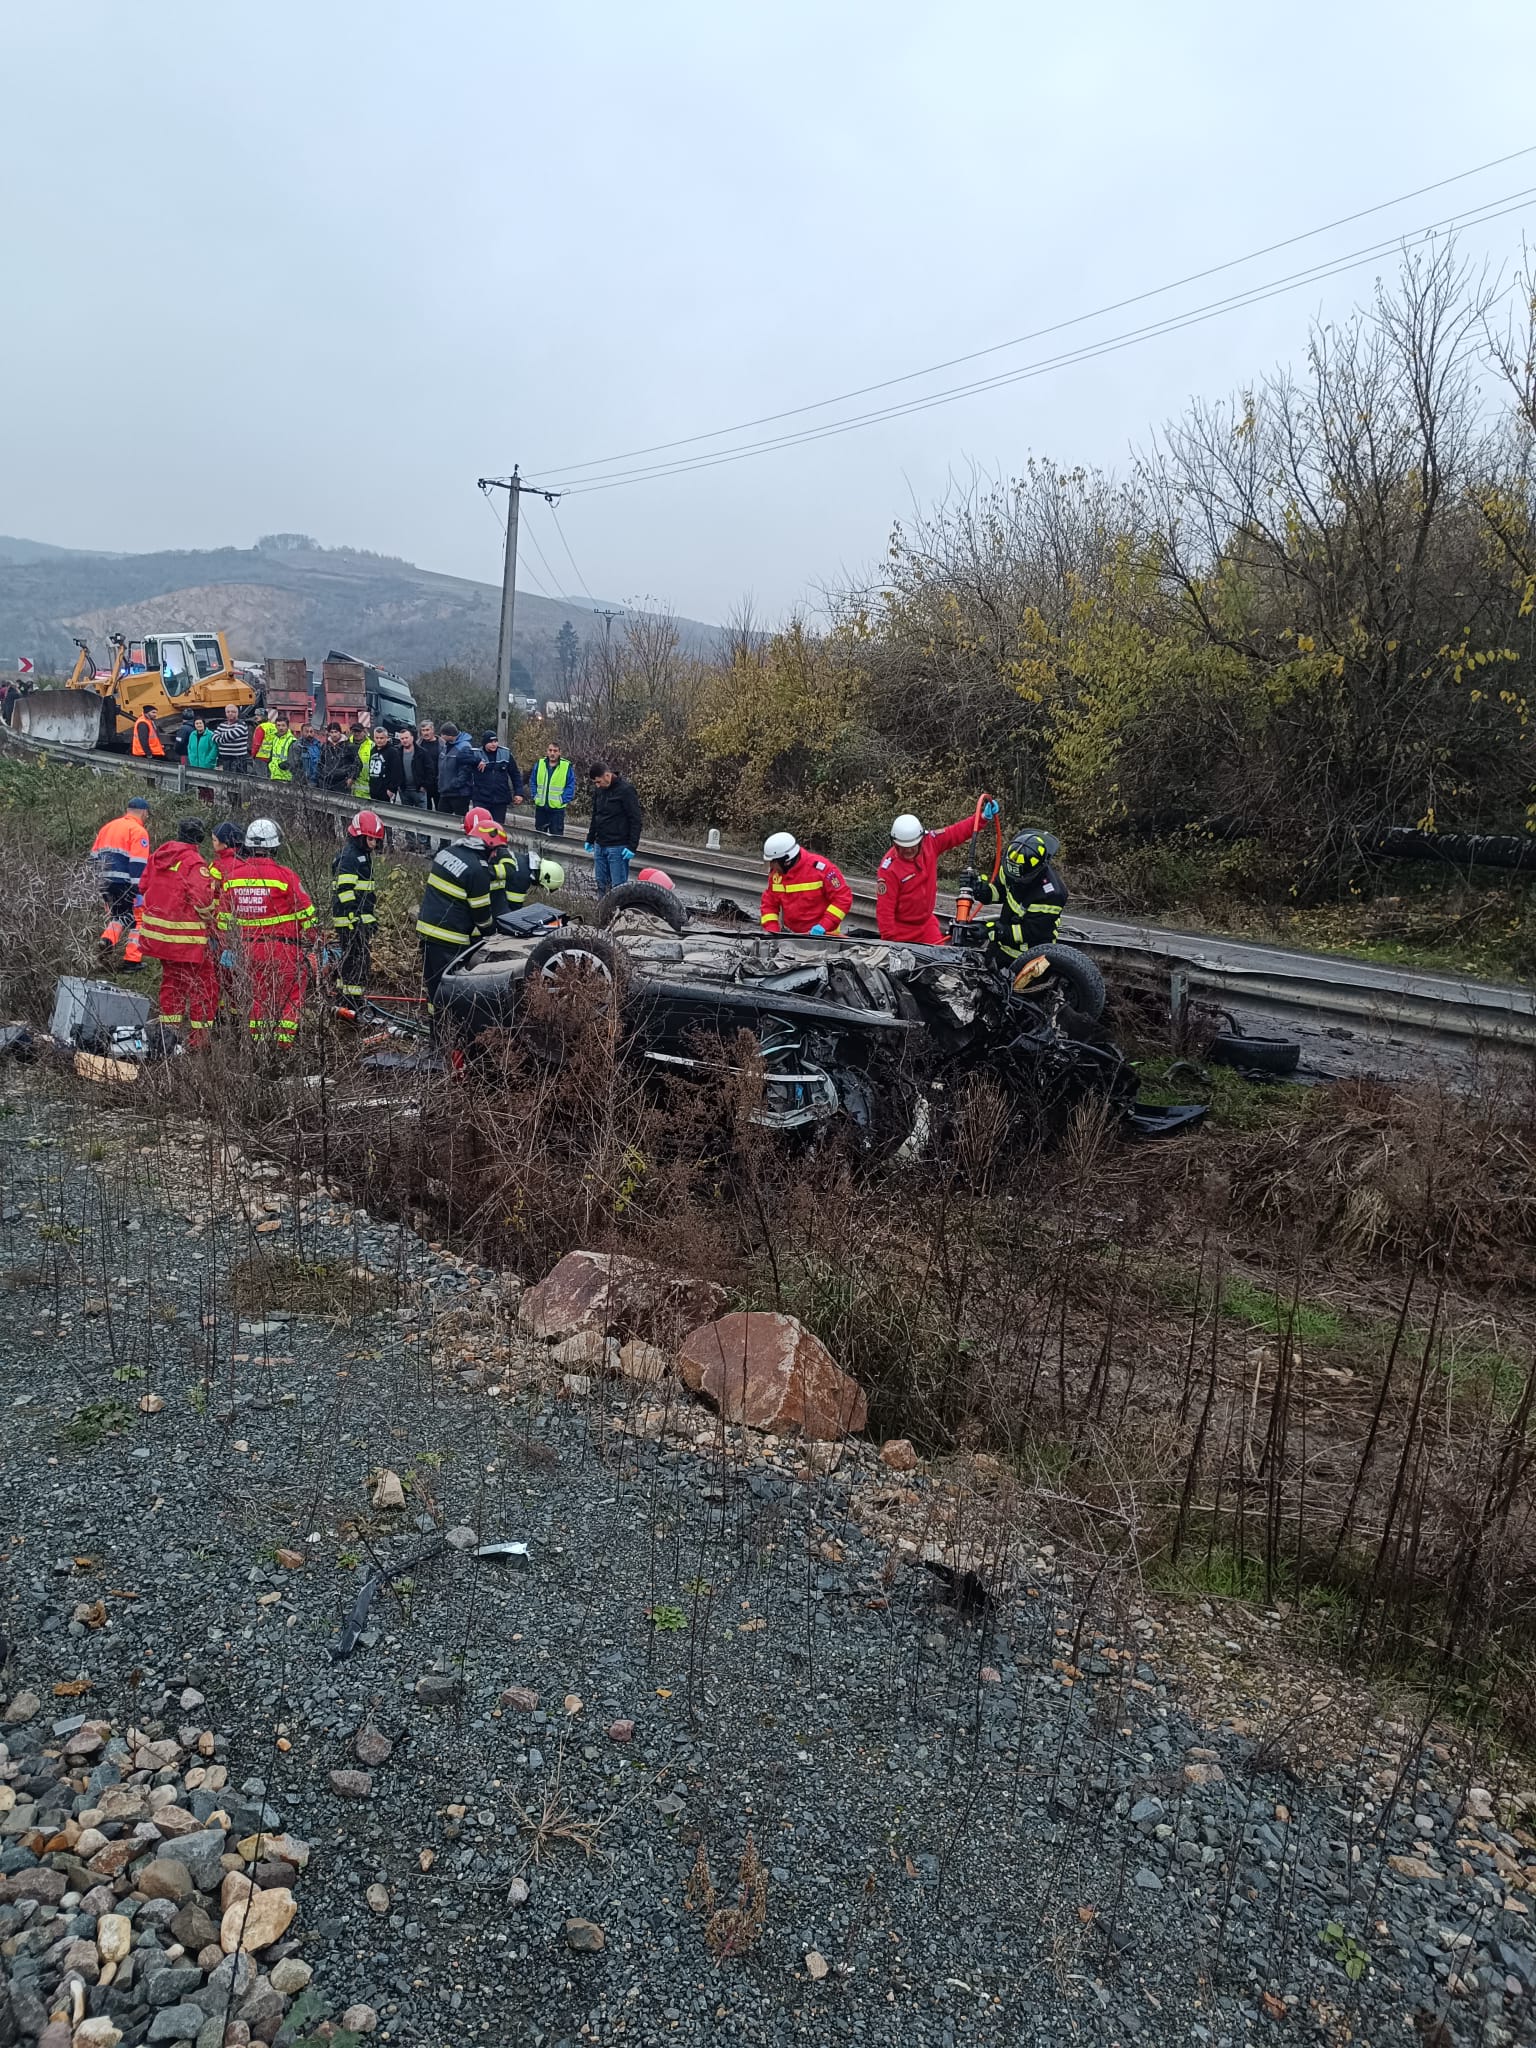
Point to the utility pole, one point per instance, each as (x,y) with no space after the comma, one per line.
(514,488)
(607,619)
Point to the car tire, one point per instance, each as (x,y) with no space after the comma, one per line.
(647,896)
(1083,983)
(560,968)
(1255,1055)
(580,948)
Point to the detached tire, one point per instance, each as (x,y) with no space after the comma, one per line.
(1257,1055)
(647,896)
(1080,978)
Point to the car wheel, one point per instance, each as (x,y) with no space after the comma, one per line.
(1079,978)
(649,897)
(574,980)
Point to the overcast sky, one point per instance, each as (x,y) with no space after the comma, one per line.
(318,266)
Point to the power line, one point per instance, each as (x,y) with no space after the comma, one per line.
(560,529)
(1039,333)
(534,538)
(1088,352)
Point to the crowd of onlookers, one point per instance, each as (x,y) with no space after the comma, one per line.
(424,767)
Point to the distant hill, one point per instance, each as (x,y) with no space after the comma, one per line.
(284,596)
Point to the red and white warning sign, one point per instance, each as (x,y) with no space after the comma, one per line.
(25,665)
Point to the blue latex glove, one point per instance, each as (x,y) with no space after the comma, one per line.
(588,847)
(626,853)
(227,961)
(990,808)
(818,931)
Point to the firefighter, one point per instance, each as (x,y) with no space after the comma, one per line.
(907,880)
(147,743)
(176,924)
(517,873)
(264,912)
(352,913)
(120,852)
(1031,894)
(456,903)
(806,894)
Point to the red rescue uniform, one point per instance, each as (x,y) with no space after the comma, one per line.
(264,912)
(176,927)
(809,891)
(907,886)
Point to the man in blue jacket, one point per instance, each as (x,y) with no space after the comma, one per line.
(498,779)
(456,775)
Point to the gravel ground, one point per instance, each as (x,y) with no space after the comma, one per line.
(971,1827)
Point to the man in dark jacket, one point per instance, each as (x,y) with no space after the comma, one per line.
(498,779)
(613,836)
(429,755)
(337,766)
(456,772)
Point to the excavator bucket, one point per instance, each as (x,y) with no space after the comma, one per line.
(62,718)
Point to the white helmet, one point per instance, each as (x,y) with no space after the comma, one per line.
(551,875)
(262,836)
(907,830)
(780,846)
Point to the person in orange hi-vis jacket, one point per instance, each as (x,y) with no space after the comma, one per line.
(806,893)
(264,912)
(907,879)
(176,923)
(120,854)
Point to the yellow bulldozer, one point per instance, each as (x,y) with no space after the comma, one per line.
(170,678)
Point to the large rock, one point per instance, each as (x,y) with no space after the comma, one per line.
(608,1291)
(768,1371)
(202,1853)
(254,1923)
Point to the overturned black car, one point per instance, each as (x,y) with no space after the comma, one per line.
(885,1040)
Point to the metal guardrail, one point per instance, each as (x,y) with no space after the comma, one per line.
(1268,980)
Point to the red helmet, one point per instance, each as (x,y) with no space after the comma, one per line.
(479,824)
(366,825)
(656,876)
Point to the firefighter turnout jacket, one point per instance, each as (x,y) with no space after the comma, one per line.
(456,903)
(352,891)
(1030,909)
(176,921)
(805,892)
(262,904)
(907,886)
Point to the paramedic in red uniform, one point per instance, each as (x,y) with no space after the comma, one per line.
(806,894)
(264,915)
(907,880)
(176,926)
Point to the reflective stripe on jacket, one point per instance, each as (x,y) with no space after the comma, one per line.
(121,848)
(552,788)
(1026,918)
(176,920)
(353,891)
(810,891)
(264,902)
(278,753)
(456,903)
